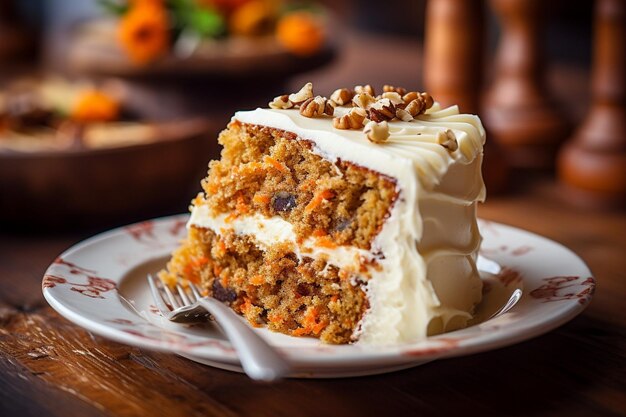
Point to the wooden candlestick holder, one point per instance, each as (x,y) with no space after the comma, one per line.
(517,109)
(593,163)
(453,51)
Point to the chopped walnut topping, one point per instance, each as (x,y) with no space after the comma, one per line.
(427,99)
(447,139)
(281,102)
(352,120)
(418,106)
(377,132)
(365,89)
(363,100)
(318,106)
(305,93)
(382,110)
(414,108)
(409,97)
(394,103)
(394,97)
(391,89)
(403,115)
(342,96)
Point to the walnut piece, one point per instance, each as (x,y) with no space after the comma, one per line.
(414,108)
(305,93)
(352,120)
(403,115)
(281,102)
(427,99)
(409,97)
(419,105)
(382,110)
(447,139)
(377,132)
(391,89)
(363,100)
(394,97)
(364,89)
(342,96)
(318,106)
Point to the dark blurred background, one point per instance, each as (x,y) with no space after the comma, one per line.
(524,66)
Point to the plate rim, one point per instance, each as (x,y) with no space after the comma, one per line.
(371,356)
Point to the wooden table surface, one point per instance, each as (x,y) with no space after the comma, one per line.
(51,367)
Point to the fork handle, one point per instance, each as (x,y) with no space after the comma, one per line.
(258,359)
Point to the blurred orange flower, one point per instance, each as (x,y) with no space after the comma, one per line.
(144,31)
(301,33)
(95,106)
(254,18)
(152,2)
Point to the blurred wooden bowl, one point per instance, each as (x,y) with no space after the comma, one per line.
(82,186)
(93,50)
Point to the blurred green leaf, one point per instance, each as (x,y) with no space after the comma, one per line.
(207,23)
(204,21)
(306,6)
(114,7)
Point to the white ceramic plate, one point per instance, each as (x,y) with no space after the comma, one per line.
(100,284)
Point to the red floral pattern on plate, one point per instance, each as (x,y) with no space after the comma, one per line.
(442,345)
(521,250)
(142,232)
(177,227)
(74,269)
(121,321)
(561,288)
(93,288)
(154,310)
(509,276)
(147,234)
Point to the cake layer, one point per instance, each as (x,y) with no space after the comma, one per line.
(272,286)
(270,231)
(275,173)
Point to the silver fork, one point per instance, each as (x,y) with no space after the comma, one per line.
(258,359)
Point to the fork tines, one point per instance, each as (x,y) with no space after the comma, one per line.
(167,300)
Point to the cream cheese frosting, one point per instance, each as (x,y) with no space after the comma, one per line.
(427,281)
(272,230)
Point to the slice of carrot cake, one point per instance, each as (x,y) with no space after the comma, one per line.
(347,219)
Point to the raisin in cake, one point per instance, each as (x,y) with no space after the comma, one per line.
(345,219)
